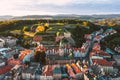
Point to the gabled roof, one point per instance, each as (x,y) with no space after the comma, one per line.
(24,53)
(5,69)
(104,54)
(102,62)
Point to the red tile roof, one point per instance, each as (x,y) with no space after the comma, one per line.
(24,53)
(102,62)
(96,46)
(98,37)
(92,53)
(87,35)
(5,69)
(37,38)
(75,49)
(70,71)
(14,61)
(104,54)
(75,67)
(65,79)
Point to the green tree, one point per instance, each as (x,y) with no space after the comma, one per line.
(25,28)
(40,56)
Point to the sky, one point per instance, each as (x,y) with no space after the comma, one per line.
(53,7)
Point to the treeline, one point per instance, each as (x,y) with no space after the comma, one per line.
(14,24)
(111,41)
(18,24)
(79,31)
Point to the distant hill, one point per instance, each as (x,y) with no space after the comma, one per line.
(107,16)
(5,17)
(68,16)
(60,16)
(33,17)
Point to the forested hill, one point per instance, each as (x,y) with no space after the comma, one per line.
(18,24)
(79,28)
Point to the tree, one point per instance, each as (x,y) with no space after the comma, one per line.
(26,44)
(27,63)
(111,23)
(25,28)
(85,23)
(40,56)
(78,35)
(112,41)
(40,28)
(15,56)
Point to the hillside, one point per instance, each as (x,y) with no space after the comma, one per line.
(76,27)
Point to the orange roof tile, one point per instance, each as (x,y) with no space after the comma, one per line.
(102,62)
(24,53)
(5,69)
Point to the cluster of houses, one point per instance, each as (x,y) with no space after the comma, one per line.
(10,57)
(100,58)
(7,50)
(63,63)
(74,52)
(53,72)
(8,41)
(13,61)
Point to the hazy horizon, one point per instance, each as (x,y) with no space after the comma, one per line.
(54,7)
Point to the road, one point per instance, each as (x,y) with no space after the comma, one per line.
(90,49)
(70,39)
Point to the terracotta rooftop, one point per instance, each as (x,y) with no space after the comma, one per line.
(13,61)
(5,69)
(104,54)
(102,62)
(86,35)
(75,67)
(24,53)
(37,38)
(98,37)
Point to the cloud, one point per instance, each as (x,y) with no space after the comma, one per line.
(54,2)
(24,7)
(93,1)
(68,2)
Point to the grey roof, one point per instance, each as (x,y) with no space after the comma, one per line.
(29,70)
(117,56)
(57,70)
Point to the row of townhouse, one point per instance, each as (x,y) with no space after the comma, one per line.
(109,32)
(54,72)
(62,52)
